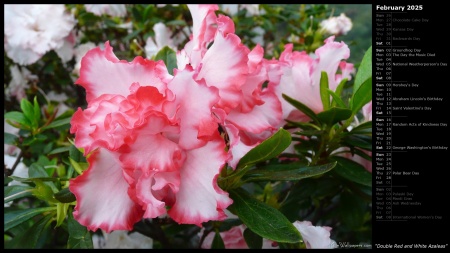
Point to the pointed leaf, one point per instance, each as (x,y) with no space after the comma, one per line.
(217,242)
(18,117)
(28,110)
(65,196)
(36,111)
(57,123)
(253,240)
(302,107)
(13,192)
(169,57)
(359,140)
(286,172)
(334,115)
(15,218)
(364,70)
(323,90)
(31,237)
(362,96)
(352,171)
(336,99)
(363,128)
(267,149)
(79,236)
(263,219)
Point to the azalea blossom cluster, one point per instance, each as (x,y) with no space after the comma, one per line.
(156,142)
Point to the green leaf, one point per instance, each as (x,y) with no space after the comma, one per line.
(169,57)
(17,117)
(362,96)
(336,99)
(217,242)
(323,90)
(10,139)
(59,150)
(57,123)
(359,140)
(61,213)
(15,218)
(267,149)
(65,196)
(363,128)
(79,236)
(351,209)
(28,111)
(352,171)
(285,172)
(30,238)
(253,240)
(302,107)
(228,224)
(37,112)
(263,219)
(364,70)
(13,192)
(334,115)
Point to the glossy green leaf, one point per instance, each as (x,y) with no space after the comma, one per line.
(352,210)
(363,128)
(267,149)
(352,171)
(79,236)
(362,96)
(286,172)
(36,111)
(59,150)
(217,242)
(263,219)
(15,218)
(28,111)
(364,70)
(61,213)
(302,107)
(334,115)
(13,192)
(65,196)
(337,101)
(30,238)
(18,117)
(253,240)
(324,95)
(169,57)
(57,123)
(359,140)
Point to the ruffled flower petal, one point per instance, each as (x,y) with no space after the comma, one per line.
(199,198)
(101,192)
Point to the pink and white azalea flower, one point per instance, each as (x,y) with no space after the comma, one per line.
(302,73)
(152,144)
(30,30)
(315,237)
(239,80)
(114,10)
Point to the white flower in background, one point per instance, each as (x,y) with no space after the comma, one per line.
(259,38)
(163,38)
(60,98)
(31,30)
(315,237)
(121,239)
(20,171)
(164,5)
(340,25)
(20,79)
(67,50)
(10,149)
(114,10)
(80,51)
(233,9)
